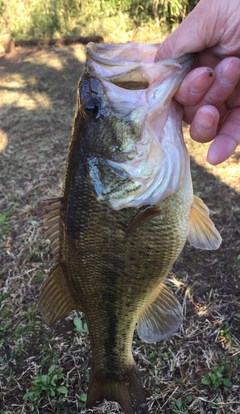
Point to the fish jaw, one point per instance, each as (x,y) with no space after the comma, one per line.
(159,172)
(149,160)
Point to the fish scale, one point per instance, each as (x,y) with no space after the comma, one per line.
(125,212)
(108,260)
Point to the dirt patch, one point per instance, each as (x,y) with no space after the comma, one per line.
(37,98)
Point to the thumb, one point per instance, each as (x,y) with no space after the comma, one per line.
(190,36)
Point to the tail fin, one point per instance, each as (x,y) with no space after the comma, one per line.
(128,392)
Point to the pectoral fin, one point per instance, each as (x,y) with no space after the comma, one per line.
(57,297)
(145,214)
(161,318)
(202,232)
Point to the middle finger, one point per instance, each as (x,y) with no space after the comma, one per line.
(227,74)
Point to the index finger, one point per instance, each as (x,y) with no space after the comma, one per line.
(194,86)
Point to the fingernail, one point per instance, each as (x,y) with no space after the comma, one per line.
(230,70)
(207,120)
(201,82)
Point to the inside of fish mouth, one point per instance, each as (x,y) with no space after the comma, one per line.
(133,79)
(130,85)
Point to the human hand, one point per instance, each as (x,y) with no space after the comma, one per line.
(210,94)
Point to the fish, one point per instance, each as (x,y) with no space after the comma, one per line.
(124,214)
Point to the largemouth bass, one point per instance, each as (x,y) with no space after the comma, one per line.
(124,214)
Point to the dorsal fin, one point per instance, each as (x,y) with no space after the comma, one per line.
(57,297)
(202,232)
(51,204)
(51,215)
(161,317)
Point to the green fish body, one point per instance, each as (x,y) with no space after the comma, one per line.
(124,215)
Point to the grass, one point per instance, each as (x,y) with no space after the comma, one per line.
(115,21)
(50,384)
(46,370)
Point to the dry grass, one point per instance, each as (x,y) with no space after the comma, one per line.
(37,95)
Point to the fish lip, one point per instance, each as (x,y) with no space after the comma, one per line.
(186,57)
(91,52)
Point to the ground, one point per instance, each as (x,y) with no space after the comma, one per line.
(46,370)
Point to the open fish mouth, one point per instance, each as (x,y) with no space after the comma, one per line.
(123,87)
(134,53)
(131,66)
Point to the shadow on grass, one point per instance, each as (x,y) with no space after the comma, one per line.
(38,92)
(37,105)
(215,275)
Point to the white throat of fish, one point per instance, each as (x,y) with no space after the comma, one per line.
(159,164)
(156,163)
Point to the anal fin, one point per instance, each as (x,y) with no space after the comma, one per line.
(162,316)
(57,296)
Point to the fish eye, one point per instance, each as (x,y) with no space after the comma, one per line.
(91,108)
